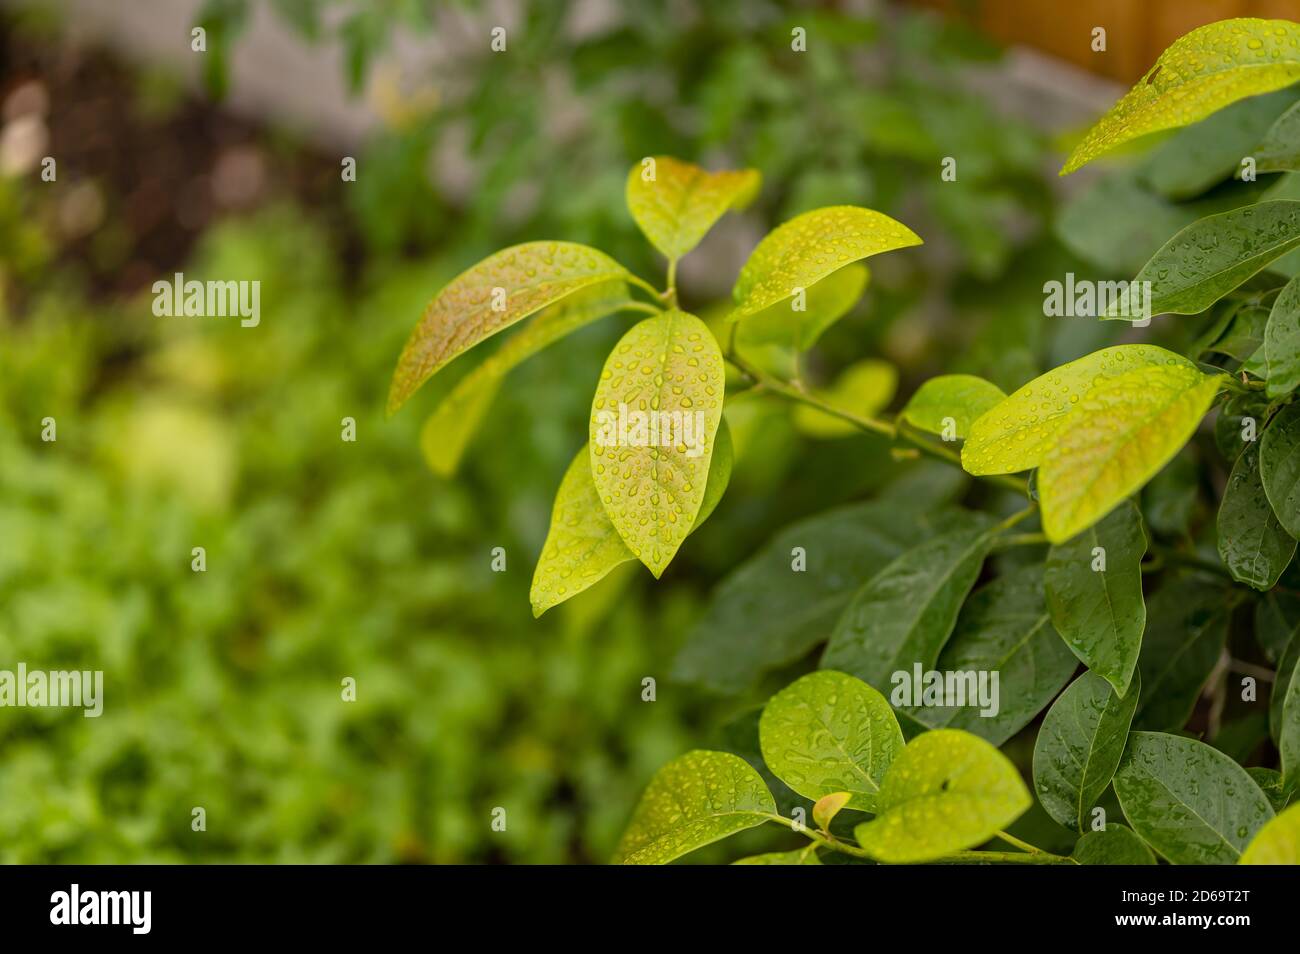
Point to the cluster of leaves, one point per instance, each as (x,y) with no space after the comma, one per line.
(1092,432)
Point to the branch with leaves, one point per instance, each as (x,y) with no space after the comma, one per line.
(894,587)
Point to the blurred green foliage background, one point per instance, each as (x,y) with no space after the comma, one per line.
(328,559)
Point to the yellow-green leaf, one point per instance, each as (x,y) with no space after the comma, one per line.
(675,203)
(1124,430)
(449,428)
(829,732)
(863,389)
(1277,843)
(1013,435)
(653,422)
(959,398)
(582,546)
(1199,74)
(809,247)
(494,294)
(948,791)
(797,323)
(692,801)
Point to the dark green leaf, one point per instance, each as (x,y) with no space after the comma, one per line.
(1279,465)
(1282,341)
(1211,257)
(905,613)
(766,613)
(1079,746)
(1191,803)
(1186,633)
(1094,594)
(1113,845)
(1252,542)
(1003,629)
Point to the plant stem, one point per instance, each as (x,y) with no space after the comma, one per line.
(1015,518)
(1191,560)
(1021,540)
(1022,845)
(1002,858)
(671,293)
(642,283)
(870,425)
(641,306)
(1030,856)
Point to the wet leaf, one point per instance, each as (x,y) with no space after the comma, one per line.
(1113,845)
(948,791)
(582,546)
(449,428)
(905,613)
(1186,630)
(1003,628)
(694,800)
(1188,801)
(827,733)
(961,397)
(1013,435)
(1282,342)
(1199,74)
(668,366)
(1211,257)
(803,251)
(1094,592)
(826,303)
(1279,466)
(682,202)
(768,611)
(1254,545)
(1123,432)
(1079,746)
(491,296)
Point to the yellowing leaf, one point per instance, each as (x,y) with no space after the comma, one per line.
(828,806)
(449,428)
(582,546)
(692,801)
(785,324)
(948,791)
(1200,73)
(1013,435)
(494,294)
(1124,430)
(675,203)
(1277,843)
(653,422)
(863,389)
(809,247)
(960,397)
